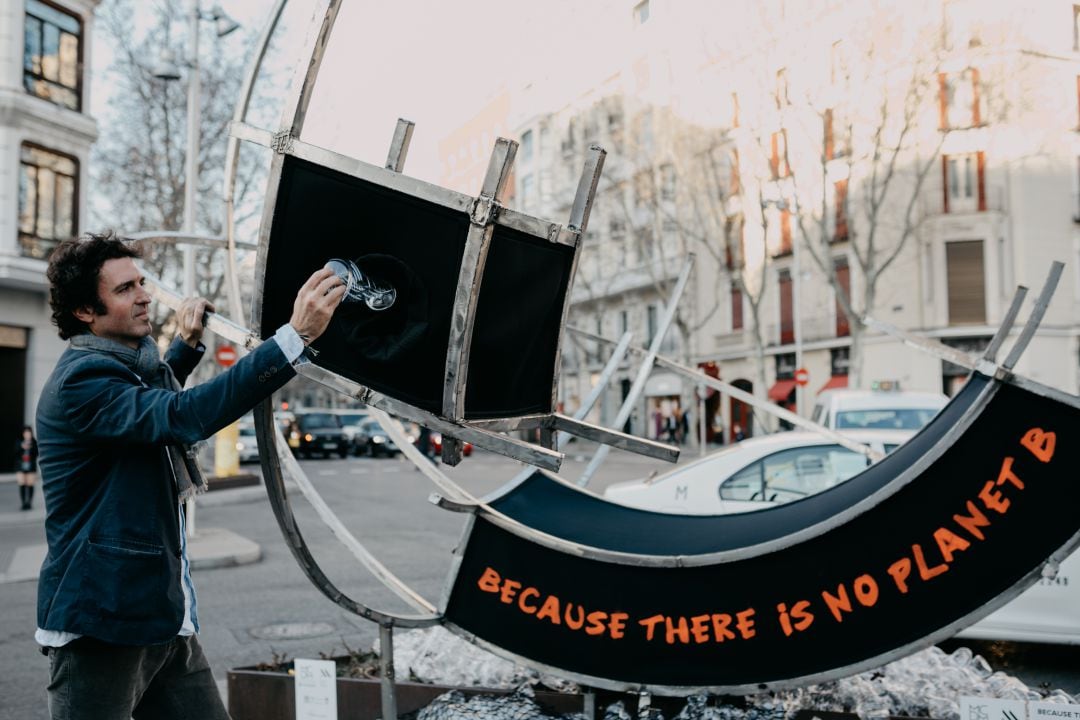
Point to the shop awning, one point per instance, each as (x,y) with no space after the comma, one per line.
(780,391)
(836,381)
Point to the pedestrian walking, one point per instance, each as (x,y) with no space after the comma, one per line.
(26,455)
(117,612)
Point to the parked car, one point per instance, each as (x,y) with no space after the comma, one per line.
(317,433)
(769,469)
(372,440)
(247,448)
(772,469)
(436,445)
(876,409)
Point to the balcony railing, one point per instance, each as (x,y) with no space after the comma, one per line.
(813,330)
(932,202)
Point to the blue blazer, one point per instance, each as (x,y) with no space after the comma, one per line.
(113,566)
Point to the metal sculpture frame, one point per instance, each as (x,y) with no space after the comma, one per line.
(277,462)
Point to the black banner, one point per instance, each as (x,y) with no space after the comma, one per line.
(930,553)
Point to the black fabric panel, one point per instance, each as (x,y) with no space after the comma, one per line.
(879,605)
(323,214)
(554,508)
(518,323)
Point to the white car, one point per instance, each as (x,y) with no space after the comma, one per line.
(876,409)
(247,448)
(768,470)
(755,473)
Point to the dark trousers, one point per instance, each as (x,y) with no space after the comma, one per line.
(93,680)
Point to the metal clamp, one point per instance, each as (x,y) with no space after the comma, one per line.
(484,211)
(282,142)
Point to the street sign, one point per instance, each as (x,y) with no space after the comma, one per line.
(225,355)
(802,376)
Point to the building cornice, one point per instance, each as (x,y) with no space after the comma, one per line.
(23,273)
(21,110)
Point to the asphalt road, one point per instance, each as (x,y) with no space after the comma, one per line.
(253,613)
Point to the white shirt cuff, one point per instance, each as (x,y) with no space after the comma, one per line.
(290,343)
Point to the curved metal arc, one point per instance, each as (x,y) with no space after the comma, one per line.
(790,683)
(284,463)
(279,503)
(500,519)
(292,468)
(232,154)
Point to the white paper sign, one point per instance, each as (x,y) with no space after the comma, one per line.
(977,708)
(316,689)
(1053,711)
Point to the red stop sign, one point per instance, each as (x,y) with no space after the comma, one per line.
(802,376)
(225,355)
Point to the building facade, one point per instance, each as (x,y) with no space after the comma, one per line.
(822,161)
(46,133)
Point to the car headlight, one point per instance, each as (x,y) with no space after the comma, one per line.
(378,440)
(309,437)
(239,446)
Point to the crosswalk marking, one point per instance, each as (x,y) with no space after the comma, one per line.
(25,563)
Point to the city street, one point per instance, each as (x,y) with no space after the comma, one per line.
(252,613)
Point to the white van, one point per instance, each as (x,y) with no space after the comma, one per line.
(876,409)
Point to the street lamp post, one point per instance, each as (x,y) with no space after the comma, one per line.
(167,71)
(191,158)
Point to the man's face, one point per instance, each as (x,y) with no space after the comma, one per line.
(127,304)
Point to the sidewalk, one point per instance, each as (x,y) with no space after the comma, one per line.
(210,548)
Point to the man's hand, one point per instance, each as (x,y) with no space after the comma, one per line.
(190,319)
(315,304)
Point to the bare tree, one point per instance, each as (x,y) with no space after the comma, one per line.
(851,167)
(138,162)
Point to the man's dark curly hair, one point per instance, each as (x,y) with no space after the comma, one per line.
(74,267)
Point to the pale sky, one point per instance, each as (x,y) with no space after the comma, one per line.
(431,62)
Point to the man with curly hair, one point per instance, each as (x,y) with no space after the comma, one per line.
(117,613)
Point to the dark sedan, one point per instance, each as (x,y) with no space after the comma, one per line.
(318,433)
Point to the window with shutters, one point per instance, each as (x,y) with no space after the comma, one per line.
(782,88)
(964,178)
(787,315)
(667,181)
(1076,27)
(837,134)
(840,203)
(960,103)
(52,54)
(48,199)
(736,307)
(967,283)
(843,279)
(778,161)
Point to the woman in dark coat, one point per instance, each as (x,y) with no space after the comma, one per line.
(26,454)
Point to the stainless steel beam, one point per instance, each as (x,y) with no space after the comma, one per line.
(643,372)
(232,158)
(699,377)
(471,274)
(616,439)
(1032,324)
(399,146)
(180,237)
(388,694)
(1003,331)
(927,345)
(501,444)
(586,190)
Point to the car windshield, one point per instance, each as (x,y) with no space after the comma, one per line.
(247,430)
(319,420)
(885,419)
(791,474)
(351,420)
